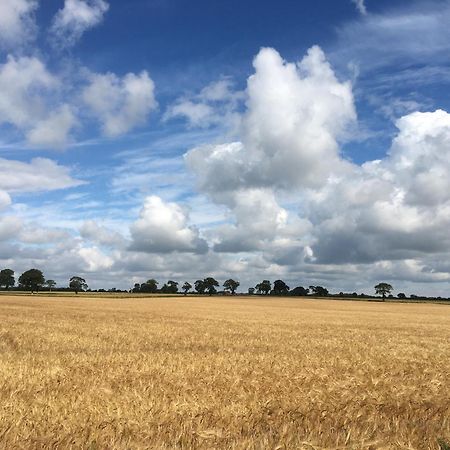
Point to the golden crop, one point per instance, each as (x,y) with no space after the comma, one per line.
(221,372)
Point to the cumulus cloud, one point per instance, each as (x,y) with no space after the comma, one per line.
(10,226)
(260,224)
(163,227)
(16,22)
(76,17)
(289,134)
(35,234)
(5,199)
(27,91)
(92,231)
(215,104)
(396,208)
(94,259)
(24,83)
(120,104)
(40,174)
(54,130)
(197,114)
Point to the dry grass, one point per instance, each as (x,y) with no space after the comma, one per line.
(222,373)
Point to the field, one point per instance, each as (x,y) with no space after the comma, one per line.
(231,373)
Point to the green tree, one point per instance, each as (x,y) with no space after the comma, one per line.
(319,291)
(50,284)
(251,290)
(299,291)
(383,289)
(210,285)
(32,280)
(264,287)
(150,286)
(173,286)
(280,288)
(200,286)
(186,287)
(77,284)
(231,285)
(7,279)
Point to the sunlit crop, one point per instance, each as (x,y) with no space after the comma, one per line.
(222,372)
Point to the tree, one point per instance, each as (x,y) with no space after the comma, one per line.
(200,286)
(210,285)
(150,286)
(7,279)
(319,291)
(383,289)
(251,290)
(280,288)
(32,280)
(173,286)
(136,288)
(78,284)
(401,295)
(50,284)
(186,287)
(299,291)
(264,287)
(231,285)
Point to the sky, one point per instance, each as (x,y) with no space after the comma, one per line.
(295,140)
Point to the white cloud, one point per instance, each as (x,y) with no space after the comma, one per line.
(92,231)
(120,104)
(95,259)
(76,17)
(28,92)
(360,6)
(24,84)
(216,104)
(34,234)
(40,174)
(53,131)
(17,22)
(10,226)
(197,114)
(5,199)
(395,208)
(163,227)
(295,115)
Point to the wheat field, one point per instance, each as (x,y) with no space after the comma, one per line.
(222,373)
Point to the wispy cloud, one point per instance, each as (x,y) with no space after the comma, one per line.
(360,6)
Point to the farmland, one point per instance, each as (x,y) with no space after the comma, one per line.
(222,372)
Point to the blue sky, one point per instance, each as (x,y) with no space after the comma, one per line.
(307,141)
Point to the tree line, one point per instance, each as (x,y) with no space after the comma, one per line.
(33,280)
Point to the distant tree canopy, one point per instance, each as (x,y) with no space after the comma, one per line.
(32,280)
(77,284)
(50,284)
(264,287)
(251,290)
(280,288)
(150,286)
(7,279)
(231,285)
(200,286)
(383,289)
(186,287)
(171,287)
(319,291)
(210,285)
(299,291)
